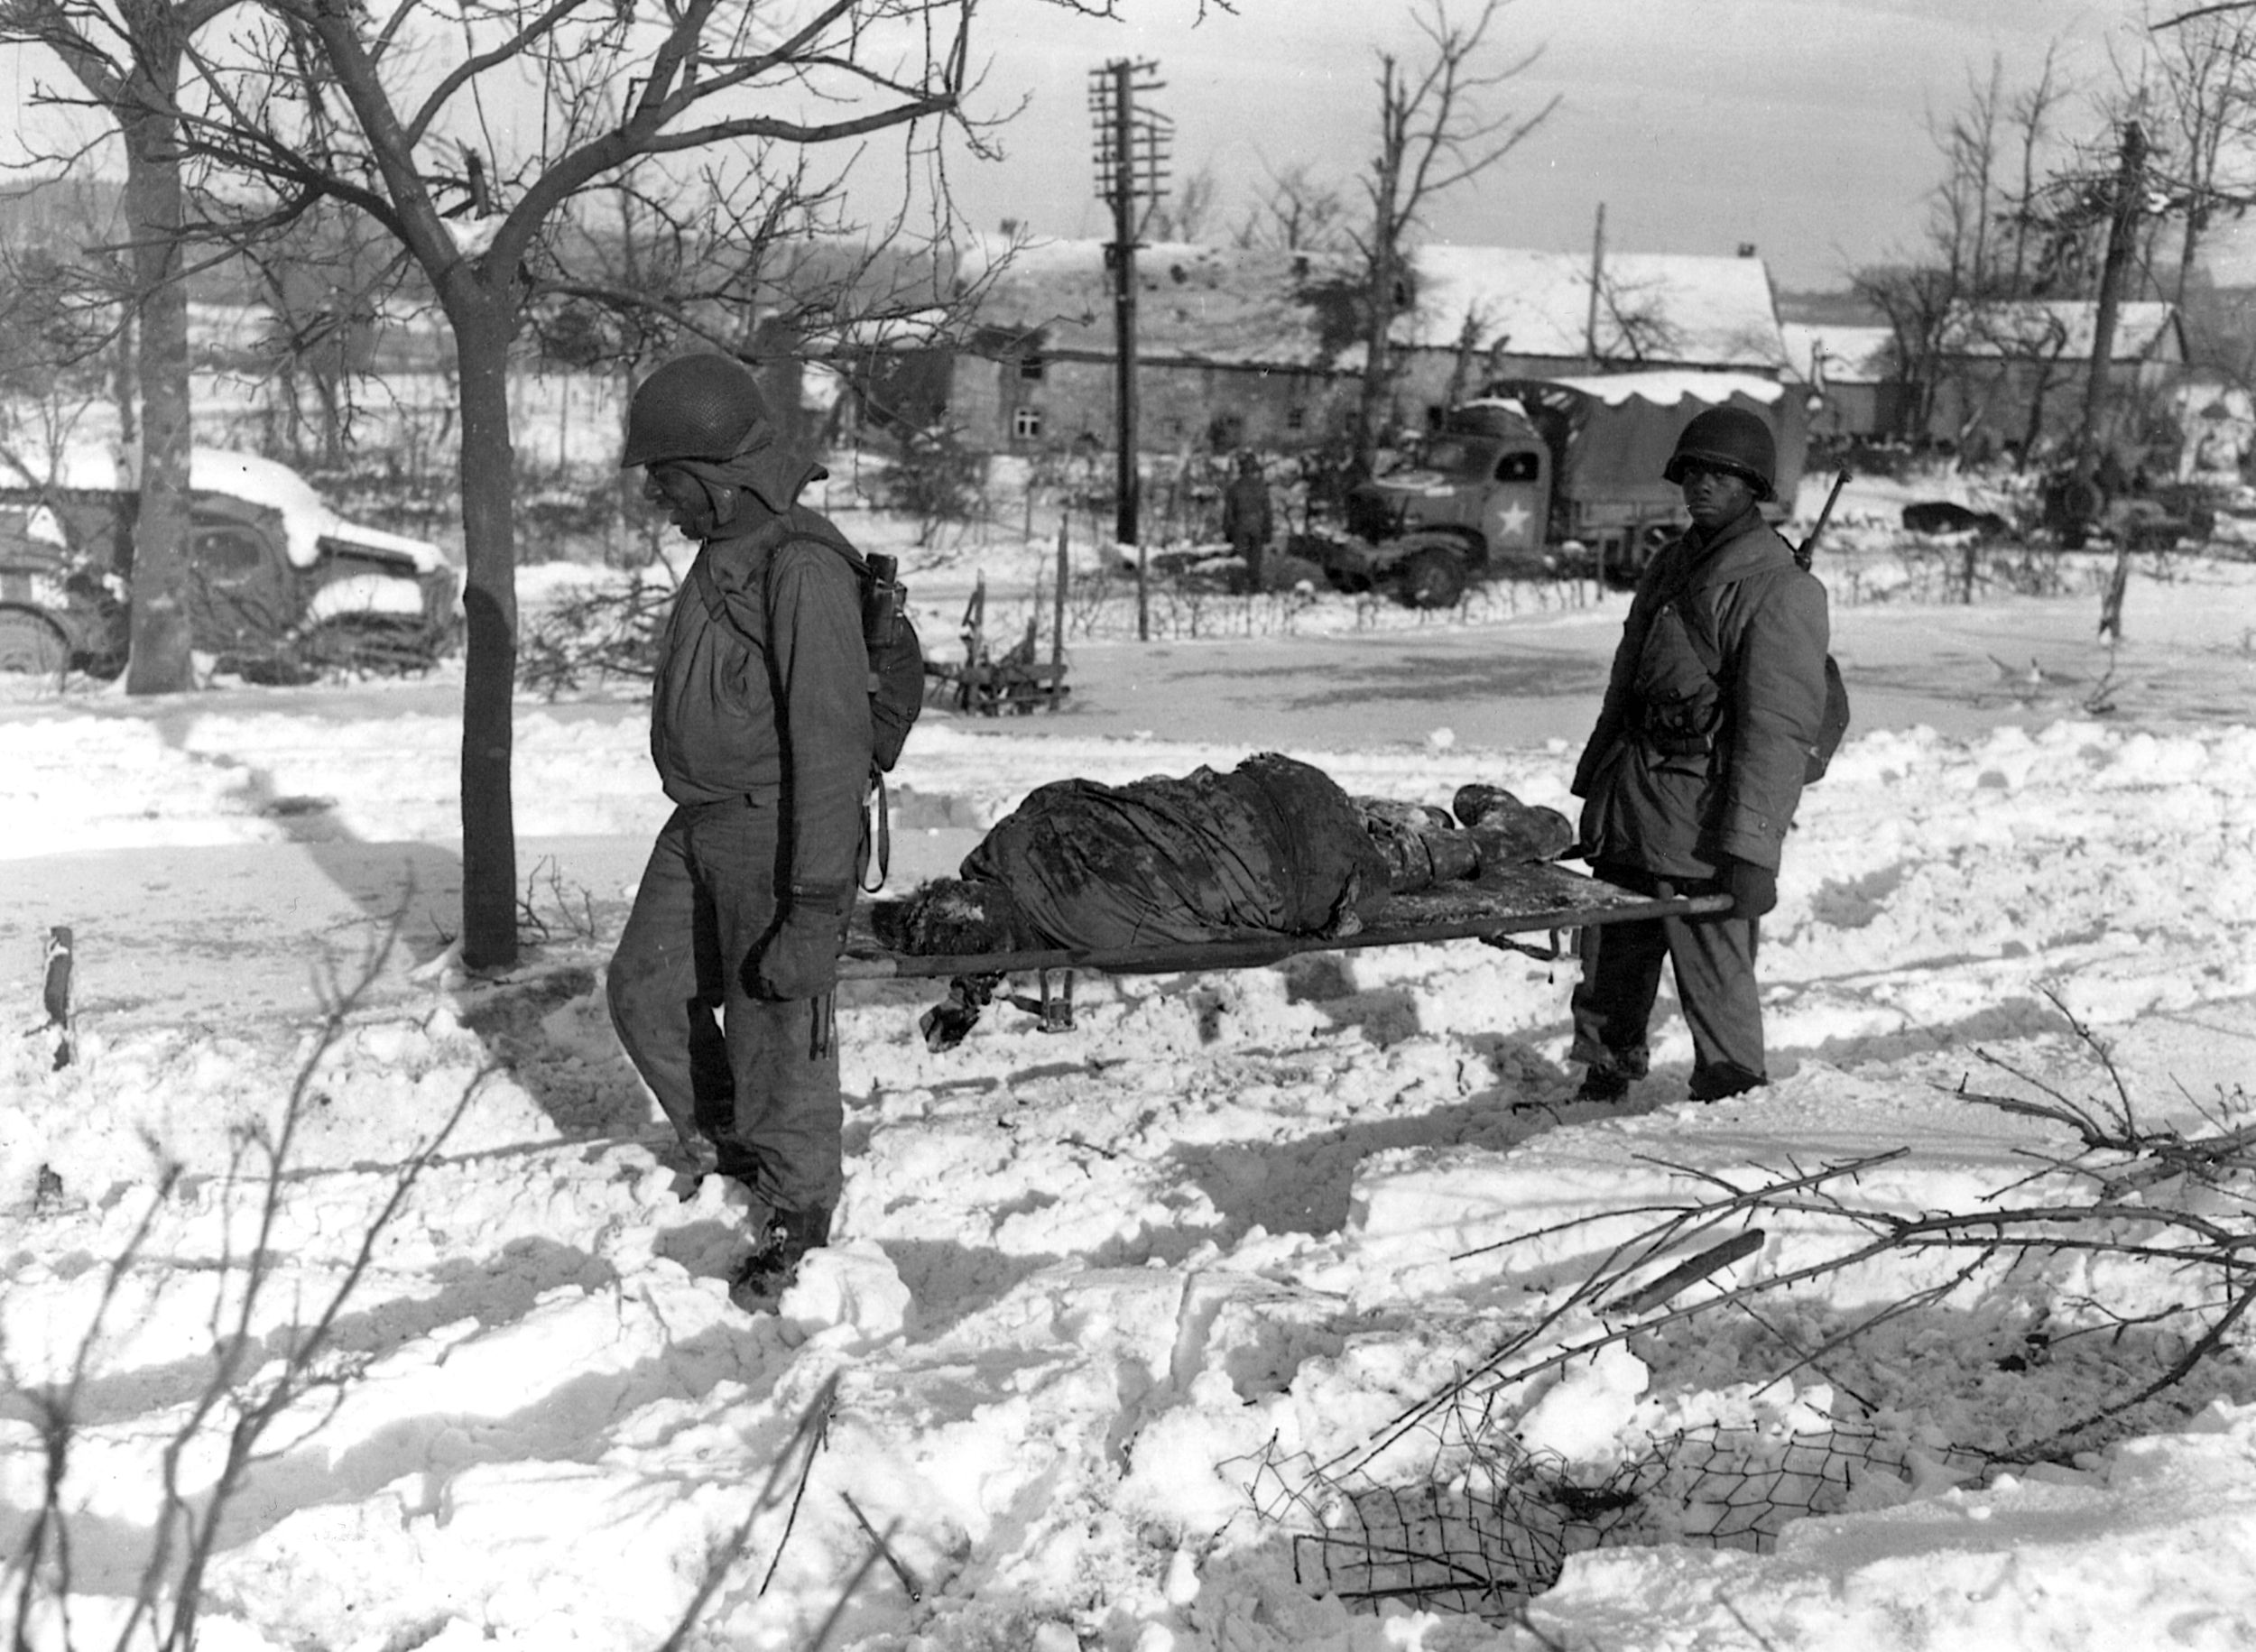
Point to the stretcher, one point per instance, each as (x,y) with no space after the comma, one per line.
(1502,904)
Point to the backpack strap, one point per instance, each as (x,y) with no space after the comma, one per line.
(877,822)
(1699,625)
(877,816)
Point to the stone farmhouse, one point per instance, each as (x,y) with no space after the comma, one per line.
(1260,347)
(2015,374)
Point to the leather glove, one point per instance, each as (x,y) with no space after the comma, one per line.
(799,958)
(1752,888)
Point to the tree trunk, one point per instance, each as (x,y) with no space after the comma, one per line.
(2121,234)
(482,329)
(1378,364)
(1382,269)
(158,661)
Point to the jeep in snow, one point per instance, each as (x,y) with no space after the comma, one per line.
(279,586)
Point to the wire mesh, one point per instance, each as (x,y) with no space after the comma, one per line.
(1500,1528)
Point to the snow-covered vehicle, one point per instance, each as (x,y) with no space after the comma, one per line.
(1537,477)
(279,585)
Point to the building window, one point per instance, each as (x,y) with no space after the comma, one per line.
(1026,423)
(1296,418)
(1030,366)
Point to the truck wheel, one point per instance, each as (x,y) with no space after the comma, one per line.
(1433,578)
(32,645)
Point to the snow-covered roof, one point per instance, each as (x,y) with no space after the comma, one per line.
(1262,307)
(1229,306)
(2064,329)
(1681,309)
(1852,355)
(306,518)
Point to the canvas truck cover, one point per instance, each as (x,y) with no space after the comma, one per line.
(1610,434)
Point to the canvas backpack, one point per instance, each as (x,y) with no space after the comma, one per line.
(896,679)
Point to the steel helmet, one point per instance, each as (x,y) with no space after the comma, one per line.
(694,407)
(1728,439)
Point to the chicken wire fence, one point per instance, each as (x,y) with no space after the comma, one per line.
(1499,1529)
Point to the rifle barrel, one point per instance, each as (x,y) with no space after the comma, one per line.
(1808,548)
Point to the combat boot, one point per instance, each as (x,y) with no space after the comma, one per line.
(1607,1084)
(1723,1081)
(760,1280)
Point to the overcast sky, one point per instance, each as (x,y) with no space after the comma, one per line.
(1800,125)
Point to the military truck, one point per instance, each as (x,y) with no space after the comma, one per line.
(1542,477)
(279,585)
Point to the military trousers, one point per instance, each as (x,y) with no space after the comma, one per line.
(757,1077)
(1712,959)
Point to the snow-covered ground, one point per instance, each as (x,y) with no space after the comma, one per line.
(1250,1298)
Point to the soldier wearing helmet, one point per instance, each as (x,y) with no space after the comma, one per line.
(1693,773)
(1247,522)
(760,728)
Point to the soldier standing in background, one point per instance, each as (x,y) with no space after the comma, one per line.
(1246,520)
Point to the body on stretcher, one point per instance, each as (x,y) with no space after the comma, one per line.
(1529,899)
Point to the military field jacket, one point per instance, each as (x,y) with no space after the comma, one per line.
(1688,764)
(768,694)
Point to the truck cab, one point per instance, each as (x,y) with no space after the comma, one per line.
(1541,478)
(1473,502)
(277,585)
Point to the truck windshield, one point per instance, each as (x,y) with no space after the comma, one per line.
(1453,456)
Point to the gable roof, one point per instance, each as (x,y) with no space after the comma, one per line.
(1656,308)
(1250,307)
(1854,355)
(2146,329)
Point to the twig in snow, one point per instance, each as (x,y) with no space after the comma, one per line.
(808,1438)
(884,1547)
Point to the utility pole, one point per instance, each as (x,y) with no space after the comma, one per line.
(1597,278)
(1131,153)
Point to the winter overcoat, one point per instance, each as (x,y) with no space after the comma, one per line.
(1711,708)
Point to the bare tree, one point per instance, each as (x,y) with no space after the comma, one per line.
(1992,245)
(66,341)
(2198,85)
(130,58)
(1919,302)
(1637,314)
(394,115)
(1298,213)
(1434,133)
(1186,216)
(1961,207)
(326,282)
(2030,115)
